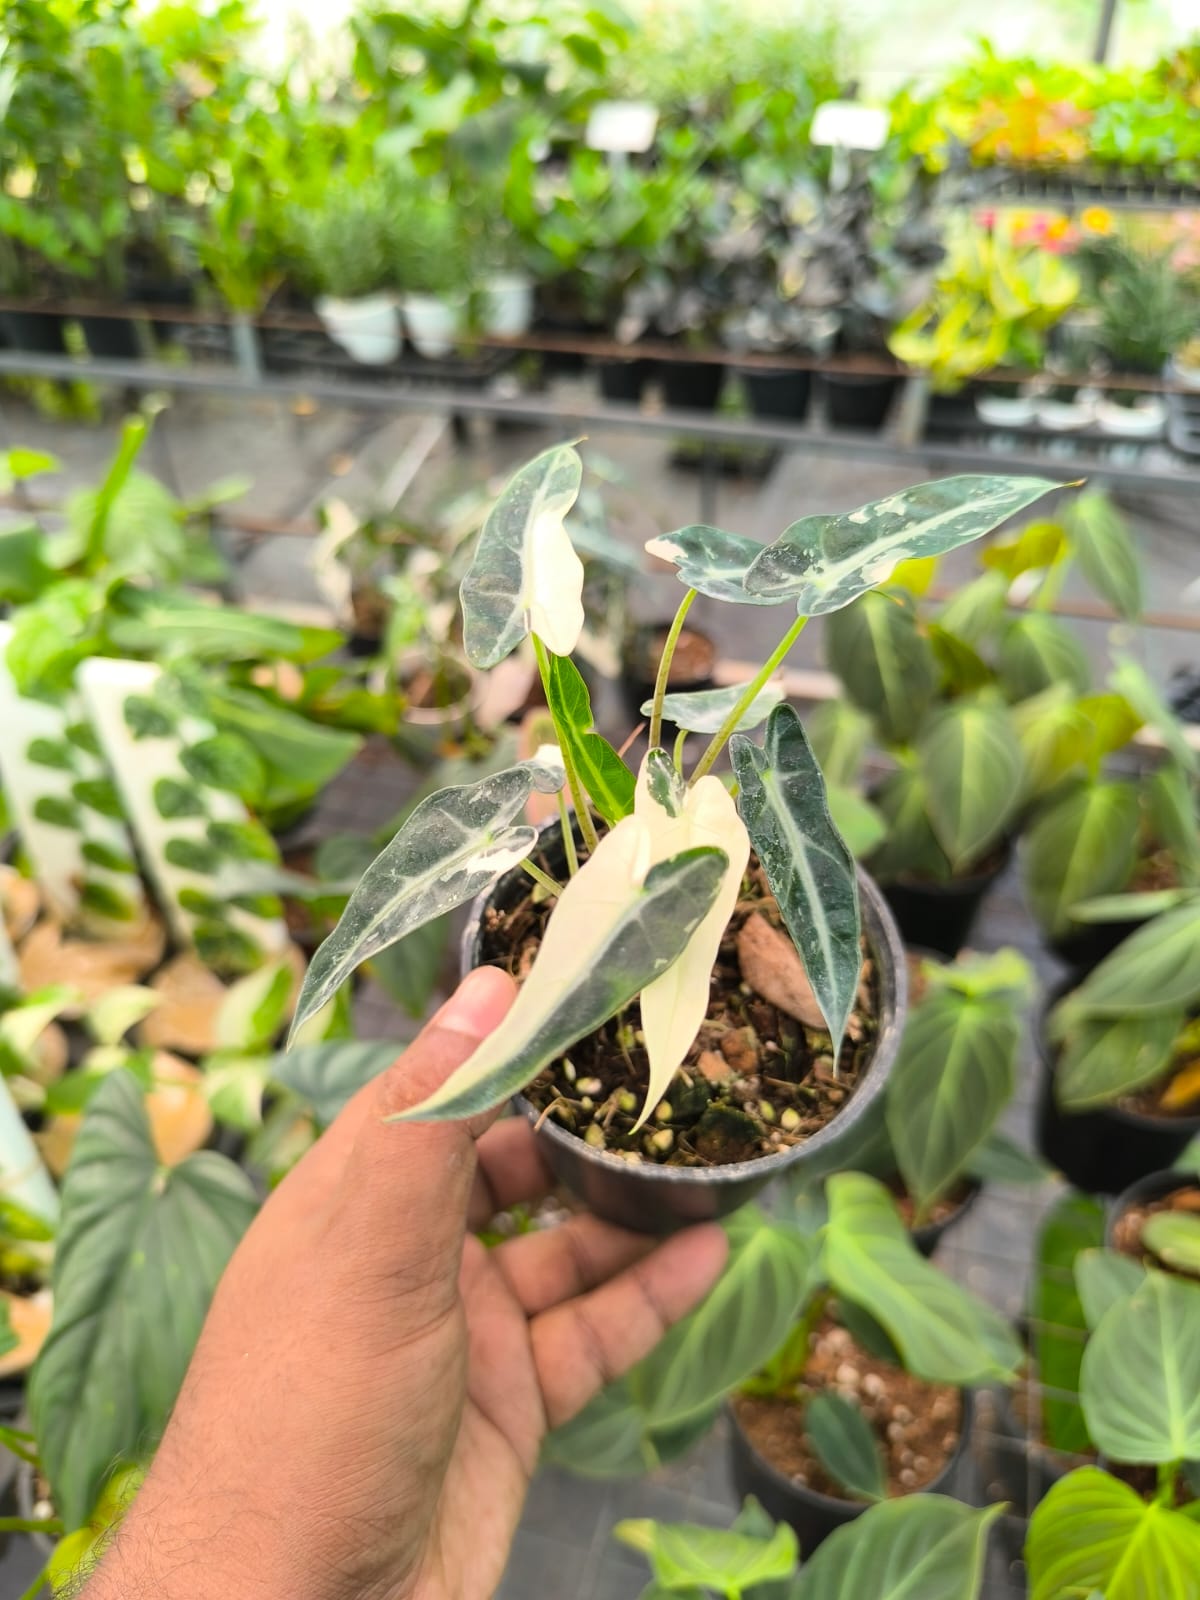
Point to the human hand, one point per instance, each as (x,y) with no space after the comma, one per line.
(368,1397)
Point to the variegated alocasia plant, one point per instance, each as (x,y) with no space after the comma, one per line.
(648,900)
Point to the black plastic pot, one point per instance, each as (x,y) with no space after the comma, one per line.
(1016,1468)
(1154,1186)
(637,682)
(1105,1150)
(940,916)
(858,402)
(111,338)
(658,1200)
(38,332)
(930,1235)
(1087,946)
(691,385)
(623,379)
(815,1516)
(783,392)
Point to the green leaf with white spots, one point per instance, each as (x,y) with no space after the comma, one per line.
(808,865)
(887,665)
(712,562)
(970,761)
(824,562)
(705,710)
(453,845)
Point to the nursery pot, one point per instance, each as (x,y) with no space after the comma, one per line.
(1155,1186)
(853,401)
(111,338)
(691,668)
(812,1514)
(1016,1467)
(1004,406)
(434,324)
(777,391)
(930,1234)
(623,378)
(691,385)
(38,332)
(367,329)
(1088,943)
(940,916)
(1103,1150)
(507,305)
(659,1199)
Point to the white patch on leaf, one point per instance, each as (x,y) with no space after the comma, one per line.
(554,582)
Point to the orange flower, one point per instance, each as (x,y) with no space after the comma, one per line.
(1096,219)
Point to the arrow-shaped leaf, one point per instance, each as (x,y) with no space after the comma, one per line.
(825,562)
(705,710)
(616,928)
(712,561)
(808,865)
(453,845)
(604,775)
(526,575)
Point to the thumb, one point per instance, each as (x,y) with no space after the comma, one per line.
(406,1185)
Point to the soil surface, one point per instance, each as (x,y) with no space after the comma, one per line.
(942,1209)
(755,1082)
(916,1423)
(1127,1230)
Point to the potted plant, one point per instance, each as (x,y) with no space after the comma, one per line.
(432,268)
(758,1560)
(1120,1091)
(344,249)
(670,866)
(868,1398)
(1156,1221)
(1145,311)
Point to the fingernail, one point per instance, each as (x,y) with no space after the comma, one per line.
(478,1004)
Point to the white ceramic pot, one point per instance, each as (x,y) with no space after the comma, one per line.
(1145,419)
(1004,411)
(1181,372)
(507,305)
(1063,416)
(368,329)
(434,325)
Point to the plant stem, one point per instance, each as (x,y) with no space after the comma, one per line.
(568,834)
(664,668)
(544,878)
(753,688)
(579,799)
(680,741)
(50,1525)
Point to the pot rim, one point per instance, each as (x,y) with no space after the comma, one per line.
(883,937)
(1049,1062)
(829,1502)
(1154,1186)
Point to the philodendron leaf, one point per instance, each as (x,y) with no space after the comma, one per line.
(674,1005)
(1038,651)
(682,1555)
(330,1073)
(1141,1374)
(1134,907)
(1081,845)
(616,928)
(1057,1324)
(452,846)
(1000,1159)
(1102,1278)
(846,1446)
(1094,1534)
(604,775)
(825,562)
(138,1256)
(856,819)
(839,733)
(1054,736)
(885,662)
(808,865)
(1107,557)
(736,1329)
(975,611)
(955,1074)
(1175,818)
(526,577)
(970,761)
(705,710)
(1104,1058)
(610,1437)
(920,1547)
(910,847)
(1130,678)
(712,562)
(1156,969)
(943,1333)
(1174,1237)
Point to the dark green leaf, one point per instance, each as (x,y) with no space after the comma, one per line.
(1038,651)
(328,1074)
(910,848)
(107,856)
(228,762)
(1058,1327)
(242,841)
(54,753)
(58,811)
(174,799)
(963,670)
(808,866)
(846,1446)
(24,571)
(146,719)
(880,654)
(970,761)
(192,855)
(1080,845)
(608,781)
(1104,1058)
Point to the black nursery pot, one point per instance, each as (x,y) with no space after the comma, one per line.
(862,402)
(657,1199)
(940,916)
(637,681)
(1087,946)
(930,1235)
(38,332)
(111,338)
(623,378)
(777,392)
(815,1516)
(1155,1186)
(691,385)
(1105,1150)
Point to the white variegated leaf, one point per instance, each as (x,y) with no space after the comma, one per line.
(618,925)
(526,577)
(712,562)
(453,845)
(705,710)
(824,562)
(674,1006)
